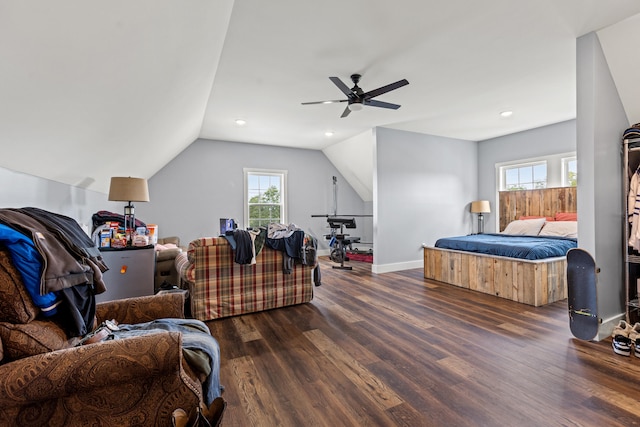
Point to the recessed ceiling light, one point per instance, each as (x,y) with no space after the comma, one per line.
(241,122)
(328,134)
(506,113)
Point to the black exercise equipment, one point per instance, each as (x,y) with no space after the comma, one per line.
(340,241)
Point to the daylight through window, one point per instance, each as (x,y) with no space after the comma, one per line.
(570,172)
(528,176)
(265,196)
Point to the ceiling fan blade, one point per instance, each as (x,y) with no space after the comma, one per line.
(374,103)
(325,102)
(385,89)
(346,112)
(343,87)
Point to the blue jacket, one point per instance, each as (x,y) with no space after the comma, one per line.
(28,262)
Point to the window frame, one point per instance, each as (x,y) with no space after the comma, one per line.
(565,170)
(504,168)
(282,174)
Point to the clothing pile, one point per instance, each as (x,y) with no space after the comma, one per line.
(101,217)
(292,241)
(60,265)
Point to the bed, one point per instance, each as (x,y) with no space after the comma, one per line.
(524,215)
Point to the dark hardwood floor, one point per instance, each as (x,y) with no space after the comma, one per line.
(395,350)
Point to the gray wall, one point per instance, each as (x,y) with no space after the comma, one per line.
(601,122)
(205,183)
(543,141)
(423,186)
(21,190)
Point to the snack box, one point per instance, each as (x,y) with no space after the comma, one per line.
(105,238)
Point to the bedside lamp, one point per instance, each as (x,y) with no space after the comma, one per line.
(480,207)
(128,189)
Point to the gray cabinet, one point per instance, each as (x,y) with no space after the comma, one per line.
(131,272)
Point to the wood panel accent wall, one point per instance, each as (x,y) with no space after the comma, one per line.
(543,202)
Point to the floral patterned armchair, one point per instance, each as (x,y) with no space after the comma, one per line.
(45,379)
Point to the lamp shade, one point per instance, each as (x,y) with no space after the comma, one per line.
(128,189)
(480,206)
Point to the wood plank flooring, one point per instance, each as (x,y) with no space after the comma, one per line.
(396,350)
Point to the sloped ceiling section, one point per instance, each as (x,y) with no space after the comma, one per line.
(92,90)
(619,42)
(354,159)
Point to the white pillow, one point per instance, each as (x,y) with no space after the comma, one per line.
(524,227)
(560,228)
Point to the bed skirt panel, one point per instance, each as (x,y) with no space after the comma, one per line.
(536,283)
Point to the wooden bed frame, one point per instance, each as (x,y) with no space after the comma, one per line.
(533,282)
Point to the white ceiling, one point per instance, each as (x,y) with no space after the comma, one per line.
(90,90)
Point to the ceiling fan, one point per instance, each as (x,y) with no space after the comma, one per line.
(357,98)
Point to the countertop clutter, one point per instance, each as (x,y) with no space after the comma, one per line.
(112,235)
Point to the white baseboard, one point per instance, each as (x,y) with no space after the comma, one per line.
(384,268)
(606,327)
(399,266)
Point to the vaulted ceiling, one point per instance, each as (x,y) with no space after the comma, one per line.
(90,90)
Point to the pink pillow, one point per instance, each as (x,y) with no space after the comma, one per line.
(566,216)
(548,218)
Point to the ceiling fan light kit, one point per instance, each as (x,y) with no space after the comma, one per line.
(357,98)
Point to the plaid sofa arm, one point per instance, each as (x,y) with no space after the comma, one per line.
(184,267)
(198,257)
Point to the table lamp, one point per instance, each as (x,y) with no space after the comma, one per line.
(480,207)
(128,189)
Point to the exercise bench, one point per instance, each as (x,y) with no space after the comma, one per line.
(340,241)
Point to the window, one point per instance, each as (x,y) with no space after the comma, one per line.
(570,171)
(553,170)
(524,176)
(265,197)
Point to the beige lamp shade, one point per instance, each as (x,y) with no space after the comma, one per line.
(480,206)
(128,189)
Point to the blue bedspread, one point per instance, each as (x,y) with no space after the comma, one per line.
(523,247)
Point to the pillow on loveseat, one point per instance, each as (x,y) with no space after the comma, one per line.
(36,337)
(182,264)
(16,305)
(21,335)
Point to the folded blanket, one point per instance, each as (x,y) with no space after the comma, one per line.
(199,348)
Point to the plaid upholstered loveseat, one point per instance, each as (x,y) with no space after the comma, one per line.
(219,287)
(46,380)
